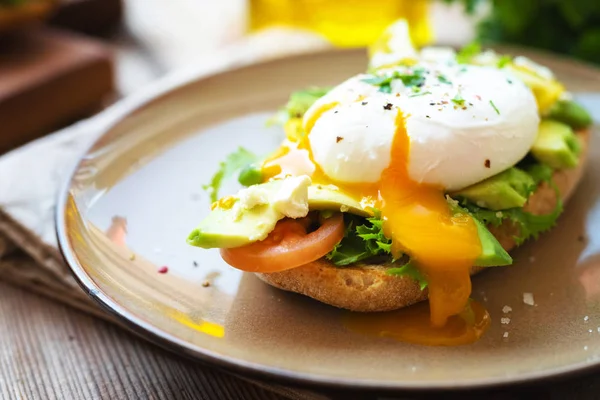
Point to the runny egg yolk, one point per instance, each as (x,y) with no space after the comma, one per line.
(416,217)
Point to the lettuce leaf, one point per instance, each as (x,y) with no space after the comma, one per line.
(297,105)
(412,271)
(362,240)
(233,163)
(529,225)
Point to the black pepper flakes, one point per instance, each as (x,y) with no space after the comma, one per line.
(427,116)
(205,284)
(195,263)
(335,112)
(432,104)
(364,103)
(388,106)
(487,163)
(338,139)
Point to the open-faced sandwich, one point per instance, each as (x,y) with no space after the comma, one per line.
(400,183)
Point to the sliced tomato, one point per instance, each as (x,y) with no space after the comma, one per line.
(288,246)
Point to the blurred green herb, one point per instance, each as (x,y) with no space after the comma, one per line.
(564,26)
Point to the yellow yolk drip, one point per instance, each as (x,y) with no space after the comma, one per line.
(420,223)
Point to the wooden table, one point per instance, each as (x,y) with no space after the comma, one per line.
(50,351)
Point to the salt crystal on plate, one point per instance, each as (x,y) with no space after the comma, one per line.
(586,318)
(528,299)
(505,320)
(505,335)
(506,309)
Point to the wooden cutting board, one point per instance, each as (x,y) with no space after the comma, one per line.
(51,77)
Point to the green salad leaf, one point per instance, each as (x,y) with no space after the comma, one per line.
(363,239)
(233,163)
(410,269)
(298,103)
(529,225)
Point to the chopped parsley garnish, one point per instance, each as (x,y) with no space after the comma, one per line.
(416,78)
(466,54)
(504,61)
(458,100)
(419,94)
(443,79)
(233,163)
(494,107)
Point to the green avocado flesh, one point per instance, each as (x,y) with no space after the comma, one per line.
(228,228)
(570,113)
(507,189)
(221,228)
(492,253)
(556,145)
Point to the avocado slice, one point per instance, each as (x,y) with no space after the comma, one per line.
(492,252)
(570,113)
(556,145)
(223,229)
(227,227)
(507,189)
(322,197)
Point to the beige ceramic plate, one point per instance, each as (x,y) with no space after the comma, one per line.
(140,185)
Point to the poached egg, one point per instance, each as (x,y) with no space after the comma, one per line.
(465,124)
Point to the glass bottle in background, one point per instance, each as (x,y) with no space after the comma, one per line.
(345,23)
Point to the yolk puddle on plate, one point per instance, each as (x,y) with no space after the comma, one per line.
(420,223)
(412,325)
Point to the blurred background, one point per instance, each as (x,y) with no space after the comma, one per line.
(95,51)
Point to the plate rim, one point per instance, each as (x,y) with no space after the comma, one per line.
(125,107)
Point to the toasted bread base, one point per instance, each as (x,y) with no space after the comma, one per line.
(369,288)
